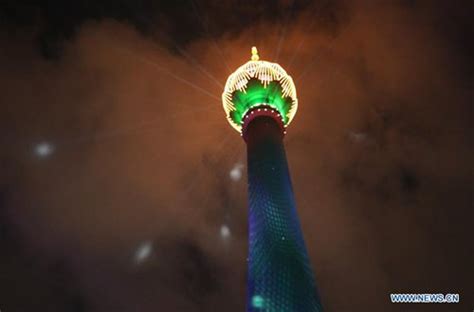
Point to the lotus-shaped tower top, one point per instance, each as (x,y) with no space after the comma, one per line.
(259,85)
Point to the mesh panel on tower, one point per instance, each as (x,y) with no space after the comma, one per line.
(280,278)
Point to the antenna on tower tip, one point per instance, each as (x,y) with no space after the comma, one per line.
(255,56)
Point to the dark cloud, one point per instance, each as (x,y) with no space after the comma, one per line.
(126,93)
(168,22)
(29,280)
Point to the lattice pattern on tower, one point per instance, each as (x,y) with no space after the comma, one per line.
(280,278)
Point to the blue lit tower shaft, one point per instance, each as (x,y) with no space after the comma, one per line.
(280,278)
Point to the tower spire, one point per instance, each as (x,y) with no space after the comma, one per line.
(255,56)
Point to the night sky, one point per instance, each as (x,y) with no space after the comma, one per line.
(123,187)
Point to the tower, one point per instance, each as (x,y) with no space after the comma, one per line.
(260,101)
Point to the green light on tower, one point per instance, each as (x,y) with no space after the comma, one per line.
(255,95)
(258,302)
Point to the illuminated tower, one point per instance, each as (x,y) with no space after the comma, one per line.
(260,101)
